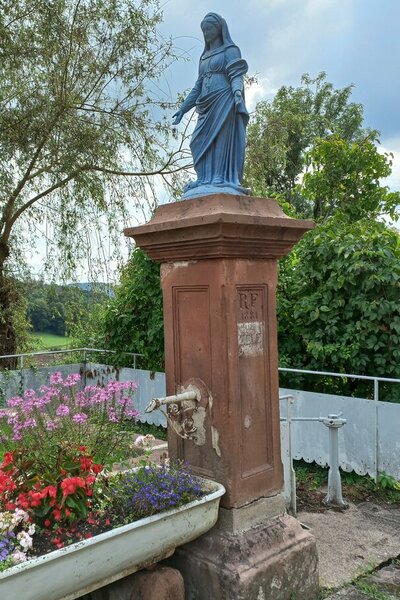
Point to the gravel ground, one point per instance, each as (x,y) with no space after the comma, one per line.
(353,541)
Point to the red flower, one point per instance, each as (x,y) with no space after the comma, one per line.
(88,535)
(49,490)
(7,458)
(6,483)
(97,468)
(36,498)
(47,523)
(82,448)
(86,463)
(70,484)
(57,514)
(10,506)
(23,501)
(90,479)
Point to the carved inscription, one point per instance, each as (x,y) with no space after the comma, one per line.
(251,338)
(250,321)
(250,305)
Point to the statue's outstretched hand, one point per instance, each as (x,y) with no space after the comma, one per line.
(238,97)
(177,117)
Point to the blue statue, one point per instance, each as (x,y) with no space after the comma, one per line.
(219,139)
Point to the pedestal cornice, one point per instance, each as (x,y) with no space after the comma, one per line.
(219,226)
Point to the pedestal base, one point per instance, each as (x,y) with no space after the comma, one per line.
(276,560)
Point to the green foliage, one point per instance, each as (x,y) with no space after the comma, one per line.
(281,130)
(310,473)
(339,302)
(372,591)
(133,320)
(63,309)
(388,482)
(345,175)
(49,341)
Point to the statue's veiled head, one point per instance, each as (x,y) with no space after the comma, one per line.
(211,28)
(214,26)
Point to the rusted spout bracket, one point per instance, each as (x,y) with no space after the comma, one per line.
(183,412)
(166,400)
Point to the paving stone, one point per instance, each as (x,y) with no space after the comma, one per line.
(158,583)
(387,579)
(349,593)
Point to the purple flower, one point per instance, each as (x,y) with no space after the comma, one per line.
(62,410)
(79,418)
(51,425)
(132,413)
(72,379)
(29,423)
(112,415)
(56,378)
(16,435)
(15,401)
(7,545)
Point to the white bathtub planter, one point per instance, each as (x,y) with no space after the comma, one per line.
(90,564)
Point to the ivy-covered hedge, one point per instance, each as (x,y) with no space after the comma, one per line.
(339,302)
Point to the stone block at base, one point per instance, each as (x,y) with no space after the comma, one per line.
(276,560)
(159,583)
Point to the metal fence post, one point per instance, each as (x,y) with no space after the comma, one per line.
(287,457)
(334,495)
(376,401)
(84,368)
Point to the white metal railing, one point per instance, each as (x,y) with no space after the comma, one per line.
(374,379)
(84,352)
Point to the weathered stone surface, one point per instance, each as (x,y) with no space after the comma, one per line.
(160,583)
(237,520)
(349,593)
(387,579)
(219,276)
(274,561)
(219,226)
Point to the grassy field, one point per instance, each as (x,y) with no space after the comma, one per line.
(48,341)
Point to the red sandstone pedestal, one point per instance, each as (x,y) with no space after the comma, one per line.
(219,275)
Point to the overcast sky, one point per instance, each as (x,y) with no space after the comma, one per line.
(354,41)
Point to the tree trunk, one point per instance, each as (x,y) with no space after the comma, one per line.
(8,297)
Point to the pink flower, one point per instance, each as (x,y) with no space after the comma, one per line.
(62,410)
(72,379)
(56,378)
(79,418)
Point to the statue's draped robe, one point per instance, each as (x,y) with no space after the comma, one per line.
(218,141)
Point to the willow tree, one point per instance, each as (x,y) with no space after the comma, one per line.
(81,122)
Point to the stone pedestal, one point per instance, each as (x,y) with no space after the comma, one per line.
(219,275)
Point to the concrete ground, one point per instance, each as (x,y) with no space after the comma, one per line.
(354,542)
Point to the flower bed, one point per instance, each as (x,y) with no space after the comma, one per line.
(77,569)
(60,501)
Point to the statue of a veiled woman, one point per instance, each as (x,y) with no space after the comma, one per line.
(219,139)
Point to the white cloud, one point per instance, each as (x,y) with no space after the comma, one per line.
(392,146)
